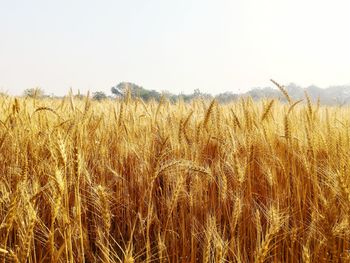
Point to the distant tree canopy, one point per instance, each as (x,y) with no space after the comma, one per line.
(334,95)
(226,97)
(145,94)
(34,93)
(99,95)
(135,91)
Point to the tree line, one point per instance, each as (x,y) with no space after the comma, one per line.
(334,95)
(135,90)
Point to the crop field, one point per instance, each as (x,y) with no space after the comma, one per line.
(131,181)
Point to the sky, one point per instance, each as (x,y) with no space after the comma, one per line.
(177,45)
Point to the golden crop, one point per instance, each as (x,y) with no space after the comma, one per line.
(128,181)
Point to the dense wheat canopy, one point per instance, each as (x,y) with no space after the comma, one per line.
(128,181)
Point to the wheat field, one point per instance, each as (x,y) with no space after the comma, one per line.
(129,181)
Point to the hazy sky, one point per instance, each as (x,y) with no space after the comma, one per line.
(177,45)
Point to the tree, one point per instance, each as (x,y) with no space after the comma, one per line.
(122,87)
(117,91)
(99,95)
(197,93)
(226,97)
(135,91)
(34,93)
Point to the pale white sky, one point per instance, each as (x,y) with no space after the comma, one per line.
(177,45)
